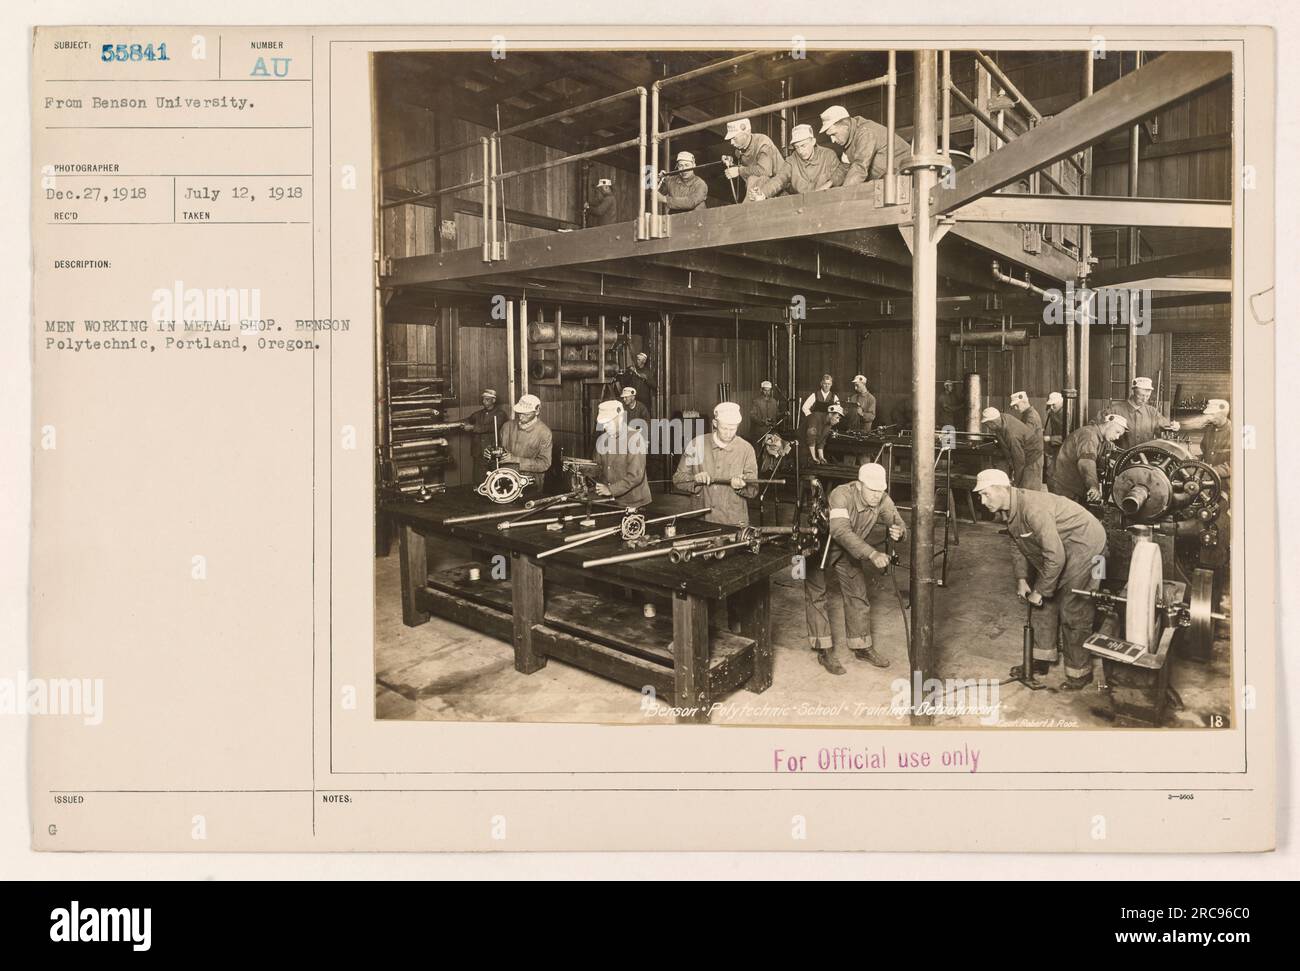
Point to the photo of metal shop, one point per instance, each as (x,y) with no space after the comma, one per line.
(865,388)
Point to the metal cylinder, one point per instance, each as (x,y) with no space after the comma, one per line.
(990,337)
(925,296)
(540,370)
(1132,502)
(974,401)
(544,331)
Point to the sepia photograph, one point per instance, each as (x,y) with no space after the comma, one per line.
(835,387)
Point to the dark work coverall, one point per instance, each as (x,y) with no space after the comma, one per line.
(1076,463)
(483,439)
(851,519)
(1053,436)
(1056,544)
(1023,447)
(620,464)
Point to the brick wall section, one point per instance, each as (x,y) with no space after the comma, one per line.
(1202,352)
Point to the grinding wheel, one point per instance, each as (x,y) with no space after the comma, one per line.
(1202,631)
(1145,582)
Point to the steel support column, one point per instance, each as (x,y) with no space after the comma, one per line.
(925,246)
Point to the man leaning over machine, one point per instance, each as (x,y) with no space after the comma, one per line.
(1075,472)
(855,508)
(1057,548)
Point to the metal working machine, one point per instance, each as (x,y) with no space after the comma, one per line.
(1161,510)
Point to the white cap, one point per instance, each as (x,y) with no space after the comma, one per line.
(990,477)
(641,354)
(990,414)
(835,410)
(1055,398)
(766,385)
(1144,384)
(489,391)
(687,157)
(740,126)
(1118,420)
(608,411)
(629,390)
(800,133)
(831,115)
(1215,406)
(859,377)
(527,404)
(872,476)
(1020,398)
(728,413)
(608,182)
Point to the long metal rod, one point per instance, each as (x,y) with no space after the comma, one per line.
(382,432)
(925,283)
(487,216)
(510,350)
(891,86)
(652,229)
(502,514)
(715,66)
(991,66)
(776,106)
(640,170)
(492,185)
(433,194)
(520,523)
(1134,239)
(628,143)
(688,542)
(580,539)
(429,157)
(997,130)
(1085,270)
(947,102)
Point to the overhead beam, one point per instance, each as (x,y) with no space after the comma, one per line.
(781,218)
(1217,256)
(1189,284)
(1168,78)
(1097,211)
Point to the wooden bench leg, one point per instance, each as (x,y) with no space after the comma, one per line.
(529,608)
(755,606)
(415,574)
(691,657)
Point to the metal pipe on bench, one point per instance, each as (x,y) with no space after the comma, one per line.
(699,539)
(578,539)
(480,517)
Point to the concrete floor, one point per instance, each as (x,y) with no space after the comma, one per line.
(444,671)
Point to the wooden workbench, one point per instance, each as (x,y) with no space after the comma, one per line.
(547,608)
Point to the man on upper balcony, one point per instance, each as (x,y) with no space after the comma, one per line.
(683,191)
(809,168)
(603,207)
(863,143)
(757,157)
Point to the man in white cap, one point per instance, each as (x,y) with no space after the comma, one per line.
(1056,544)
(1026,412)
(1144,420)
(603,207)
(757,157)
(683,191)
(486,425)
(951,410)
(620,457)
(526,439)
(1075,474)
(1053,432)
(1021,445)
(859,406)
(818,434)
(637,376)
(765,412)
(855,509)
(1216,442)
(636,414)
(719,469)
(808,168)
(863,144)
